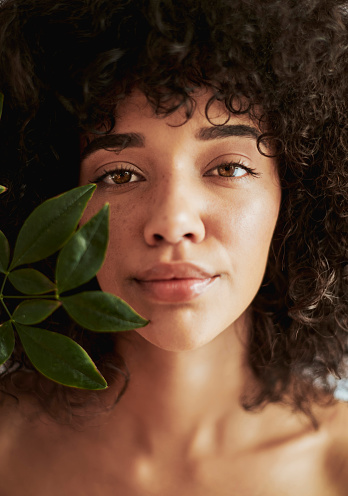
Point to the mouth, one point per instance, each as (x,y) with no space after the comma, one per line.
(174,283)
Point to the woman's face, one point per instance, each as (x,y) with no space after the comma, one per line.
(193,209)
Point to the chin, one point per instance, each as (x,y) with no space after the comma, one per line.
(180,338)
(175,344)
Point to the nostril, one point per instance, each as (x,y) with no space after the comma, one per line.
(160,237)
(159,230)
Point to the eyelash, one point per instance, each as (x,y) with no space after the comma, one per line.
(238,165)
(106,174)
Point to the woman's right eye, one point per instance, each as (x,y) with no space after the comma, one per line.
(119,176)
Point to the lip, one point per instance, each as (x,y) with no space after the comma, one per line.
(175,282)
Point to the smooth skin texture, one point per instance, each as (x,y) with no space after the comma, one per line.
(190,233)
(188,200)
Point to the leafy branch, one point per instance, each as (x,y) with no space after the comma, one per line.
(53,227)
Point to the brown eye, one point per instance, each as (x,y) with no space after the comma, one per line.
(121,177)
(227,170)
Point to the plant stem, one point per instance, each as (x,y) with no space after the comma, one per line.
(2,296)
(22,297)
(6,309)
(3,283)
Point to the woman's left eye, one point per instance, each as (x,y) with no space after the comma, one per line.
(231,170)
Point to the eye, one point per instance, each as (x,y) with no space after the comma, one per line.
(231,170)
(119,176)
(122,177)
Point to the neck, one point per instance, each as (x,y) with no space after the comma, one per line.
(181,392)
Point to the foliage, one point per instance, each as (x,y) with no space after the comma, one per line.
(53,227)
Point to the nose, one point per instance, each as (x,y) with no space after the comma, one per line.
(175,215)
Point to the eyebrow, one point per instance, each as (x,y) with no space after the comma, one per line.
(113,142)
(227,131)
(118,142)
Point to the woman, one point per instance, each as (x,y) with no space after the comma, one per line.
(217,133)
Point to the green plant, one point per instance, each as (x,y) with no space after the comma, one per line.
(53,227)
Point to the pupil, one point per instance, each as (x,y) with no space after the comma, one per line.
(121,177)
(227,170)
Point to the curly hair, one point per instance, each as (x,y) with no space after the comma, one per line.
(66,65)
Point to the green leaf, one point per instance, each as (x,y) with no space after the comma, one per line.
(34,311)
(102,312)
(2,189)
(83,255)
(30,281)
(7,341)
(1,103)
(4,253)
(50,225)
(59,358)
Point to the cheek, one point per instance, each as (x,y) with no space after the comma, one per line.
(247,226)
(124,237)
(247,237)
(258,225)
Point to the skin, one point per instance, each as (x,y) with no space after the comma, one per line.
(180,427)
(180,210)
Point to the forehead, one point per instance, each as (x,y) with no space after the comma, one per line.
(137,106)
(137,123)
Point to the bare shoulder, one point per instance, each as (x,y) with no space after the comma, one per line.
(336,459)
